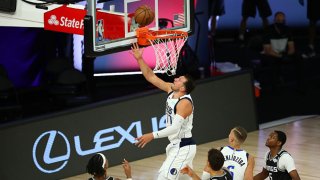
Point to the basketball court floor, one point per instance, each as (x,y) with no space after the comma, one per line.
(303,134)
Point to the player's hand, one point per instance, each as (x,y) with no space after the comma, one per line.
(190,172)
(136,51)
(144,140)
(187,170)
(127,168)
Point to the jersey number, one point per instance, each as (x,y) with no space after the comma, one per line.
(231,168)
(169,120)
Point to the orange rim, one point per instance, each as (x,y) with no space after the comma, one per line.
(166,34)
(141,36)
(144,35)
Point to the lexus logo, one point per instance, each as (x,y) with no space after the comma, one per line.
(52,136)
(53,20)
(51,150)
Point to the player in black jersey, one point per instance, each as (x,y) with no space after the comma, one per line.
(98,165)
(213,167)
(279,163)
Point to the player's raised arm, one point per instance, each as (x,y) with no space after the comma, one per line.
(147,71)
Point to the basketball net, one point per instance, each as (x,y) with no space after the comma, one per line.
(167,45)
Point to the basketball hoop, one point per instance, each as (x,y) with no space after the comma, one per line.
(166,44)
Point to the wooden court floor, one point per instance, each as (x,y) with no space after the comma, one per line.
(302,143)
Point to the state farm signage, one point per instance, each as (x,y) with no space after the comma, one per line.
(65,22)
(71,20)
(65,19)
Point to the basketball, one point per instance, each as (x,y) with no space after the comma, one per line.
(144,15)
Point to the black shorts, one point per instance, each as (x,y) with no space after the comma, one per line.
(249,8)
(313,10)
(216,7)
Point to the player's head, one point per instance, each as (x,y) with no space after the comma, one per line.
(183,83)
(97,165)
(215,159)
(189,84)
(237,135)
(282,138)
(279,17)
(276,139)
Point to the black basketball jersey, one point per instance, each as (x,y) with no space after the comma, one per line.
(226,176)
(272,167)
(107,178)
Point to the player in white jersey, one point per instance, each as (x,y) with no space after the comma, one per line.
(179,110)
(237,160)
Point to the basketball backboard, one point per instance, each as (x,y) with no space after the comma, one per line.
(114,27)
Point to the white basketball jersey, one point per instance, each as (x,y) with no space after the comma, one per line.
(236,161)
(182,149)
(185,131)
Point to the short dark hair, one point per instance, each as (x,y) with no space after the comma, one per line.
(94,166)
(278,13)
(216,159)
(281,137)
(240,133)
(189,84)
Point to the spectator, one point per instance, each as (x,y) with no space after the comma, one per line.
(216,8)
(279,49)
(249,10)
(313,14)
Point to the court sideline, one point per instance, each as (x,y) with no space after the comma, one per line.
(302,144)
